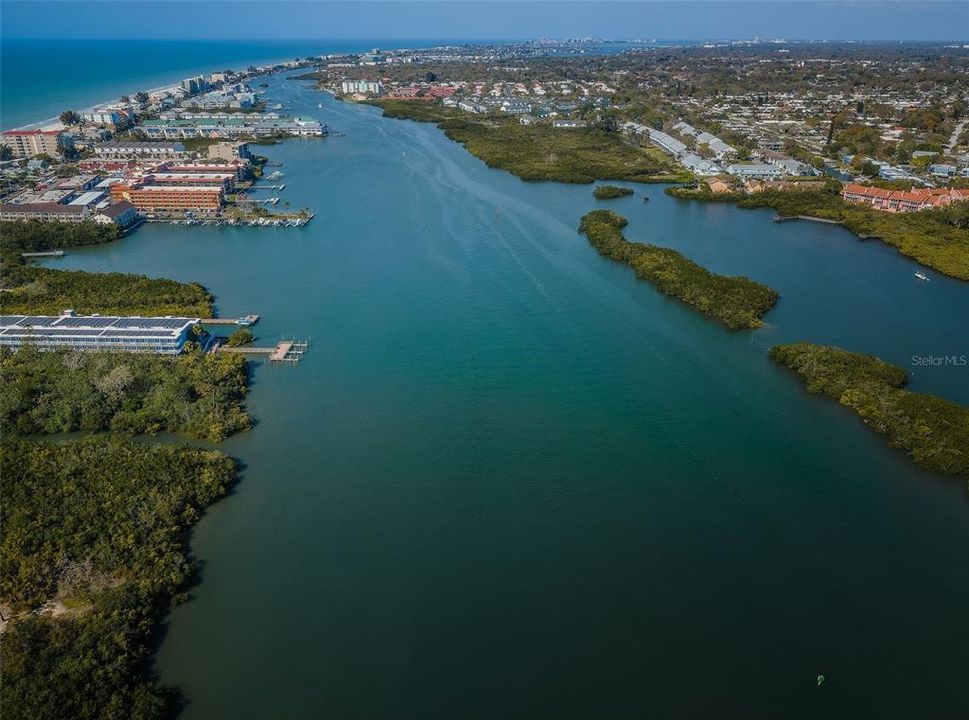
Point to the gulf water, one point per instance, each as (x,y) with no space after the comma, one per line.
(511,481)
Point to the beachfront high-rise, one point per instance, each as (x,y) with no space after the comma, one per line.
(28,143)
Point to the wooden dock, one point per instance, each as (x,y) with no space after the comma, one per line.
(284,351)
(811,218)
(250,319)
(45,253)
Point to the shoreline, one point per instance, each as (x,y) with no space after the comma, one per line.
(53,123)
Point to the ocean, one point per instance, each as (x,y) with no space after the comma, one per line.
(39,79)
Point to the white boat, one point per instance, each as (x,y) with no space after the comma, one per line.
(320,105)
(921,276)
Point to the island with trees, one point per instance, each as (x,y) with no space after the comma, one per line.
(933,431)
(610,192)
(737,302)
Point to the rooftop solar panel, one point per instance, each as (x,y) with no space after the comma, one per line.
(86,322)
(38,320)
(135,333)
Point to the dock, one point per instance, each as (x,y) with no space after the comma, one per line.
(284,351)
(45,253)
(787,218)
(244,321)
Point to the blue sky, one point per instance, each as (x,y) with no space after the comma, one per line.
(470,19)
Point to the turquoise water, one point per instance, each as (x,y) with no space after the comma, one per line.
(41,78)
(511,481)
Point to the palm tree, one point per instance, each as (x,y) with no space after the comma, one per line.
(69,117)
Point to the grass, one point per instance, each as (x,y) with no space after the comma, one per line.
(541,152)
(737,302)
(934,431)
(938,239)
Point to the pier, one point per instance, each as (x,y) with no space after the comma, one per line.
(788,218)
(45,253)
(244,321)
(284,351)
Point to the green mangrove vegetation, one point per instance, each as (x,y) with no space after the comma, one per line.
(39,236)
(737,302)
(242,336)
(31,290)
(934,431)
(195,393)
(542,152)
(93,552)
(936,238)
(610,192)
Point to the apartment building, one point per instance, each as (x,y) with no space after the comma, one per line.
(151,199)
(27,143)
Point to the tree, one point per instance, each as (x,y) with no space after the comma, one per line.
(141,97)
(242,336)
(5,152)
(70,117)
(125,99)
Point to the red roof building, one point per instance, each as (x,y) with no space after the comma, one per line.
(912,200)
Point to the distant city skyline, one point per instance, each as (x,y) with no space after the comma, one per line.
(865,20)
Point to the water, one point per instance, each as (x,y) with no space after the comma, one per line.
(509,480)
(35,86)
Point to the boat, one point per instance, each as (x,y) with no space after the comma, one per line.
(320,105)
(921,276)
(645,198)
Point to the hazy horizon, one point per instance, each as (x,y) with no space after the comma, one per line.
(702,20)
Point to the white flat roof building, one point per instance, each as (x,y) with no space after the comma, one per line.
(162,335)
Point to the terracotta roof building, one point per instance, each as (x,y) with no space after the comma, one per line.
(912,200)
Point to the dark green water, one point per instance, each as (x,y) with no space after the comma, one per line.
(510,481)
